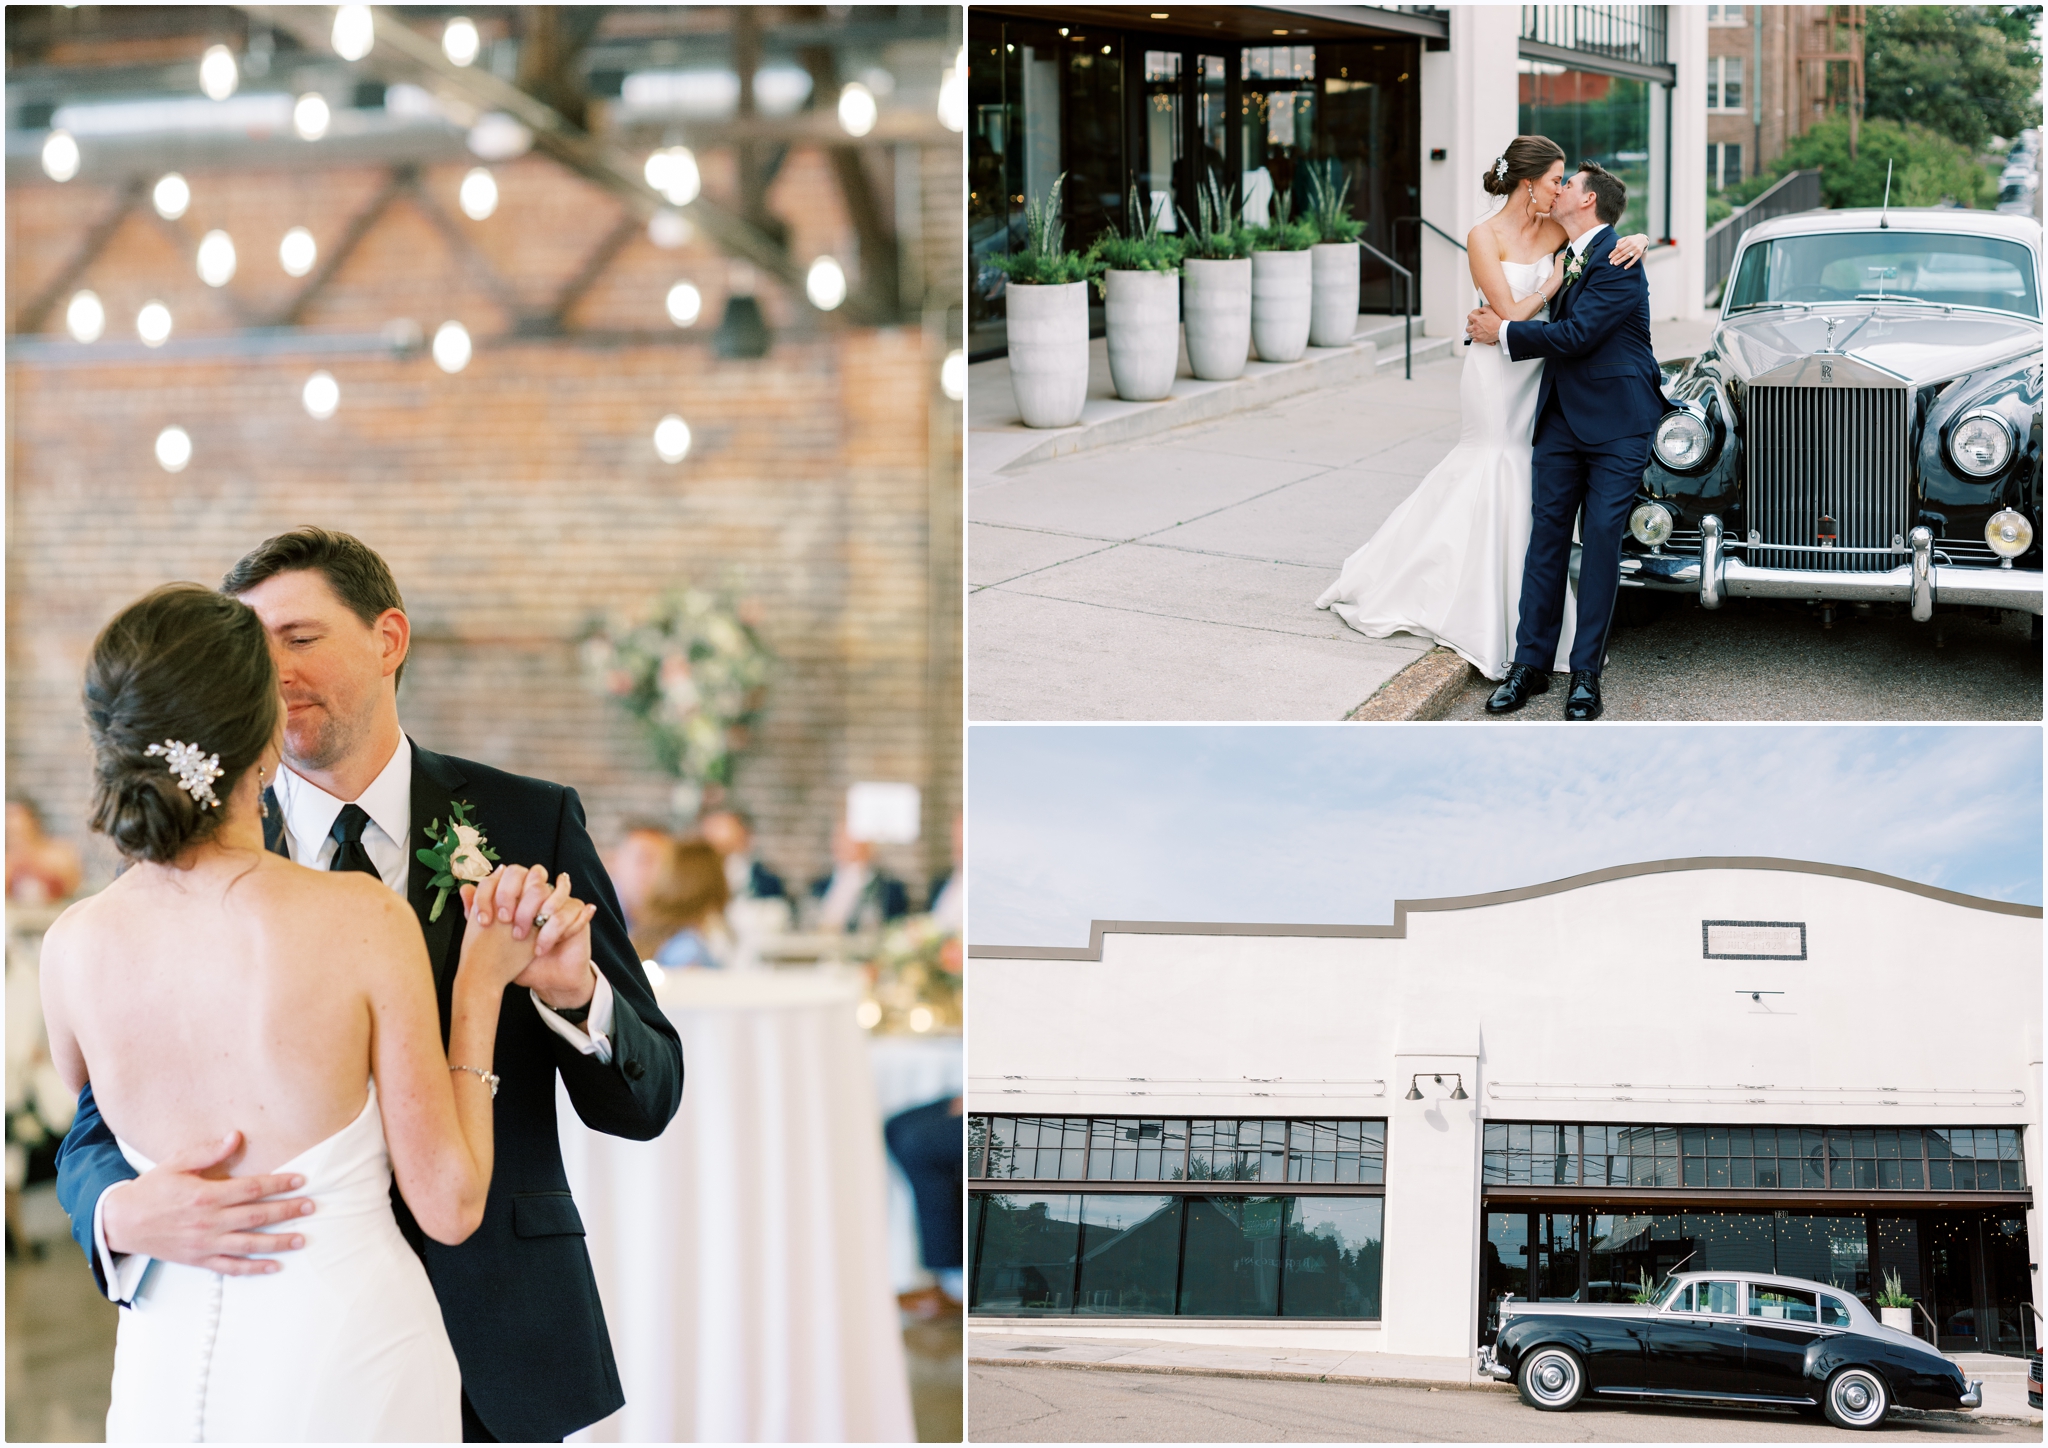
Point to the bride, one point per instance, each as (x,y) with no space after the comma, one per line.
(217,988)
(1447,563)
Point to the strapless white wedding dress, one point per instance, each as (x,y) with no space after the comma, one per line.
(345,1344)
(1447,563)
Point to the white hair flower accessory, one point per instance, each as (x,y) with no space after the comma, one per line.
(1500,167)
(196,771)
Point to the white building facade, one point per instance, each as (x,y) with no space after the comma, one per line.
(1363,1136)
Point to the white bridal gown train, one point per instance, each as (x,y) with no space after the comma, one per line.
(345,1344)
(1447,563)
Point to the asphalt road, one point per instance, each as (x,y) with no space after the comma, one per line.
(1047,1405)
(1766,659)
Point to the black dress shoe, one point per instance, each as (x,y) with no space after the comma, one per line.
(1522,684)
(1582,701)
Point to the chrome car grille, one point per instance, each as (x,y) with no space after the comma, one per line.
(1965,553)
(1838,454)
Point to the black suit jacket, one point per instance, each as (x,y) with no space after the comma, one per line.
(519,1299)
(1602,368)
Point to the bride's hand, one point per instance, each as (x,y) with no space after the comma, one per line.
(489,946)
(1629,250)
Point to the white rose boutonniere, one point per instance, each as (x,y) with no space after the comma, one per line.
(461,855)
(1572,270)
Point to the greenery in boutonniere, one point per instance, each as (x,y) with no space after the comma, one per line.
(1333,219)
(1147,248)
(1214,234)
(1045,260)
(1282,234)
(461,855)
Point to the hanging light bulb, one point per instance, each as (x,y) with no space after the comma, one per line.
(672,439)
(85,318)
(825,284)
(218,73)
(354,32)
(857,109)
(953,374)
(60,156)
(321,395)
(296,253)
(311,115)
(953,95)
(216,258)
(479,194)
(173,449)
(153,324)
(451,347)
(170,196)
(673,172)
(460,42)
(685,304)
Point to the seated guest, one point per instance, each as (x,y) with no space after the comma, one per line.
(928,1143)
(856,896)
(948,907)
(731,833)
(633,863)
(39,869)
(683,920)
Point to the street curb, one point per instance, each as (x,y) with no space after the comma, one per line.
(1353,362)
(1274,1374)
(1425,689)
(1939,1415)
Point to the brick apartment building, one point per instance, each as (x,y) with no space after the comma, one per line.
(1772,72)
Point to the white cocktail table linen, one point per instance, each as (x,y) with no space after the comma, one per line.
(742,1256)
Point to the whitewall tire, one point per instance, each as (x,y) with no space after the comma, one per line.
(1856,1398)
(1552,1379)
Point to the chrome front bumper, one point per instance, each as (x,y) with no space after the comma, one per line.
(1974,1398)
(1489,1368)
(1921,581)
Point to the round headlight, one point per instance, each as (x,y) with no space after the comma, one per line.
(1651,524)
(1682,441)
(2009,533)
(1980,444)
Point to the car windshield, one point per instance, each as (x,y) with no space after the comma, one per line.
(1960,271)
(1664,1296)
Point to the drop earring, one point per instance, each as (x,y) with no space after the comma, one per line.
(262,805)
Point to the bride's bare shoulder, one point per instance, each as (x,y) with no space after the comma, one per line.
(1481,235)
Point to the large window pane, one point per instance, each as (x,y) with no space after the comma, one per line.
(1600,118)
(1027,1249)
(1231,1267)
(1130,1254)
(1333,1257)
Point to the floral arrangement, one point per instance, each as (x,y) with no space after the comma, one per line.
(916,978)
(693,674)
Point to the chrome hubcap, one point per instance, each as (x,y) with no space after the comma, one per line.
(1855,1397)
(1858,1398)
(1552,1378)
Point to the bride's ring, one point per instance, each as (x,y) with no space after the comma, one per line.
(540,921)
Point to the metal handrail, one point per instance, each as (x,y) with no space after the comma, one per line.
(1407,308)
(1425,221)
(1718,246)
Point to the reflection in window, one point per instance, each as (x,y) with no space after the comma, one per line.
(1174,1149)
(1595,117)
(1130,1255)
(1963,271)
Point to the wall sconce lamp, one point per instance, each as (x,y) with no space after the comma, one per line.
(1415,1091)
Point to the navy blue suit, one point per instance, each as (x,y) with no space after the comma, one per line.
(518,1298)
(1597,410)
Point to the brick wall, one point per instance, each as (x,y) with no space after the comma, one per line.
(513,499)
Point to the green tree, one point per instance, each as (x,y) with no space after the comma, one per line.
(1969,72)
(1927,168)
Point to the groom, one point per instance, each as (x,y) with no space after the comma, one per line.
(518,1297)
(1599,406)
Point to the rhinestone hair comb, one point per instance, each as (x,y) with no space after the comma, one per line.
(196,771)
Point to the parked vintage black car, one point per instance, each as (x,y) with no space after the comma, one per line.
(1864,425)
(1728,1337)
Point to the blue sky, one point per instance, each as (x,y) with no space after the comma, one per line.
(1331,824)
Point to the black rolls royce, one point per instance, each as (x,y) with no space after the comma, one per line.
(1726,1337)
(1865,423)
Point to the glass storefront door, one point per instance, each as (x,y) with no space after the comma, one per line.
(1952,1272)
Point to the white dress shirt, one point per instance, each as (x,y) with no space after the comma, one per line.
(1578,249)
(309,814)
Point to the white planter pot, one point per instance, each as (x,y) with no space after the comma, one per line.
(1217,304)
(1333,317)
(1899,1317)
(1280,304)
(1048,351)
(1141,314)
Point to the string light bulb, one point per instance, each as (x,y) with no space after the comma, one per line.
(60,156)
(460,42)
(85,318)
(218,73)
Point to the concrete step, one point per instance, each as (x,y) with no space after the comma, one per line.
(1385,334)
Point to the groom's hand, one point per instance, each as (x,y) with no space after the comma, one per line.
(1484,325)
(562,973)
(175,1214)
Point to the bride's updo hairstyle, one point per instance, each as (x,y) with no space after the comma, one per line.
(1527,158)
(181,663)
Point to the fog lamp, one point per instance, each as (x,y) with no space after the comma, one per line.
(1682,440)
(1651,524)
(1980,444)
(2009,533)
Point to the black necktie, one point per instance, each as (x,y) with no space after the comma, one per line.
(347,834)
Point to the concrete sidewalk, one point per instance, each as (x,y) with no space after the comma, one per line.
(1174,576)
(2004,1379)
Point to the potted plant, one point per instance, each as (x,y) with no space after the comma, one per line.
(1280,283)
(1046,300)
(1140,282)
(1216,272)
(1644,1293)
(1894,1307)
(1333,265)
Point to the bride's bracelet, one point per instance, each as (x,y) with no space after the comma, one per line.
(489,1078)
